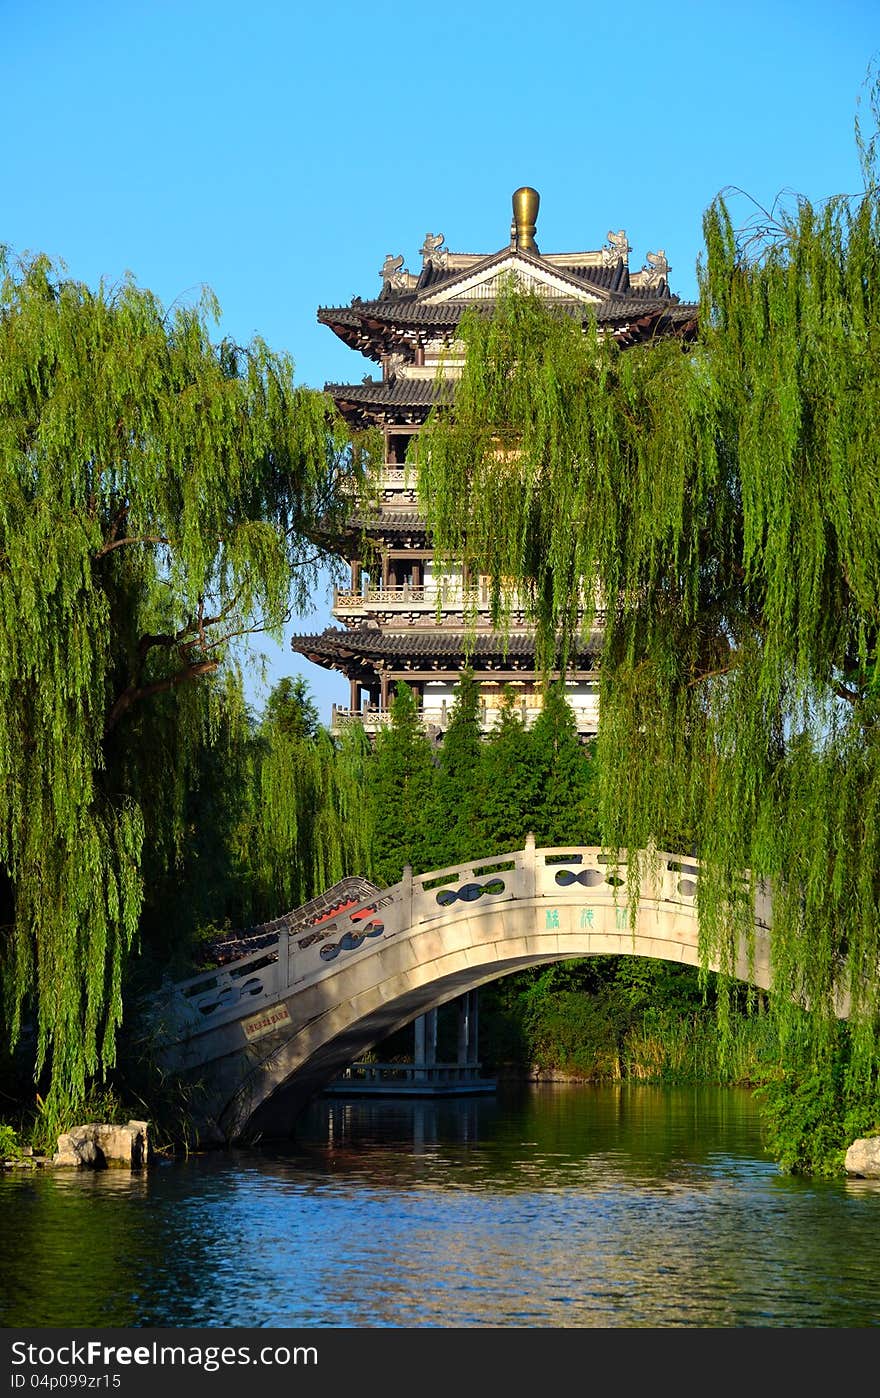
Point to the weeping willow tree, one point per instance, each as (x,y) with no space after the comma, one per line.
(719,501)
(309,820)
(159,499)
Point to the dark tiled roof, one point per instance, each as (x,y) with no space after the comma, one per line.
(431,642)
(385,521)
(631,319)
(392,393)
(406,312)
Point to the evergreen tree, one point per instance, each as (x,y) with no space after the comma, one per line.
(402,791)
(505,793)
(565,810)
(453,835)
(291,709)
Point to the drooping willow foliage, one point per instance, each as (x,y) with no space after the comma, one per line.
(309,823)
(159,496)
(719,502)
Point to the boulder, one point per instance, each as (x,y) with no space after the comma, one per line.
(863,1158)
(97,1145)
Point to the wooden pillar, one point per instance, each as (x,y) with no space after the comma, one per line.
(355,696)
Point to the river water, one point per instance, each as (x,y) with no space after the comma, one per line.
(562,1206)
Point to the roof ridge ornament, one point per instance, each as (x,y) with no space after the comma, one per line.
(656,268)
(433,252)
(395,275)
(617,249)
(526,202)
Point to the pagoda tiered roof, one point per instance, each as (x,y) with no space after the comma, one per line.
(417,314)
(412,310)
(347,650)
(398,399)
(412,329)
(395,325)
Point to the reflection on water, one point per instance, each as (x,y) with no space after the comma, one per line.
(546,1207)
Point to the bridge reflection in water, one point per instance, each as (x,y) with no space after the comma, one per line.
(260,1037)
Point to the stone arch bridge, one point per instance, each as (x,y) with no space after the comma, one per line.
(259,1037)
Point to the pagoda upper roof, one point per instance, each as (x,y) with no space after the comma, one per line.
(395,399)
(411,310)
(402,397)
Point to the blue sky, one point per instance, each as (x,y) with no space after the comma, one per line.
(277,151)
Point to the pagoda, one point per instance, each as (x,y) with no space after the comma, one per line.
(401,618)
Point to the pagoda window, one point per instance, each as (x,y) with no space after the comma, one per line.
(400,573)
(397,444)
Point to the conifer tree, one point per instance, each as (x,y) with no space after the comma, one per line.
(565,806)
(505,795)
(402,780)
(453,835)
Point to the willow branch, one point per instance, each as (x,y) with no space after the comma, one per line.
(134,693)
(131,539)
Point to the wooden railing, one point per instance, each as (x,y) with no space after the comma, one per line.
(412,595)
(473,597)
(586,716)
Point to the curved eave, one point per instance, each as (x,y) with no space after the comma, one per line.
(379,329)
(360,650)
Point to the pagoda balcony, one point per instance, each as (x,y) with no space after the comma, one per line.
(421,603)
(389,482)
(436,717)
(424,598)
(393,476)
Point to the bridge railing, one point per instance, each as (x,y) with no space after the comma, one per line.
(561,873)
(219,995)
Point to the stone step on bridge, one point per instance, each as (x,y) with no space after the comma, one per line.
(258,1037)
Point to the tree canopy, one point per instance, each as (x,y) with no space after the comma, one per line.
(401,784)
(160,497)
(717,500)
